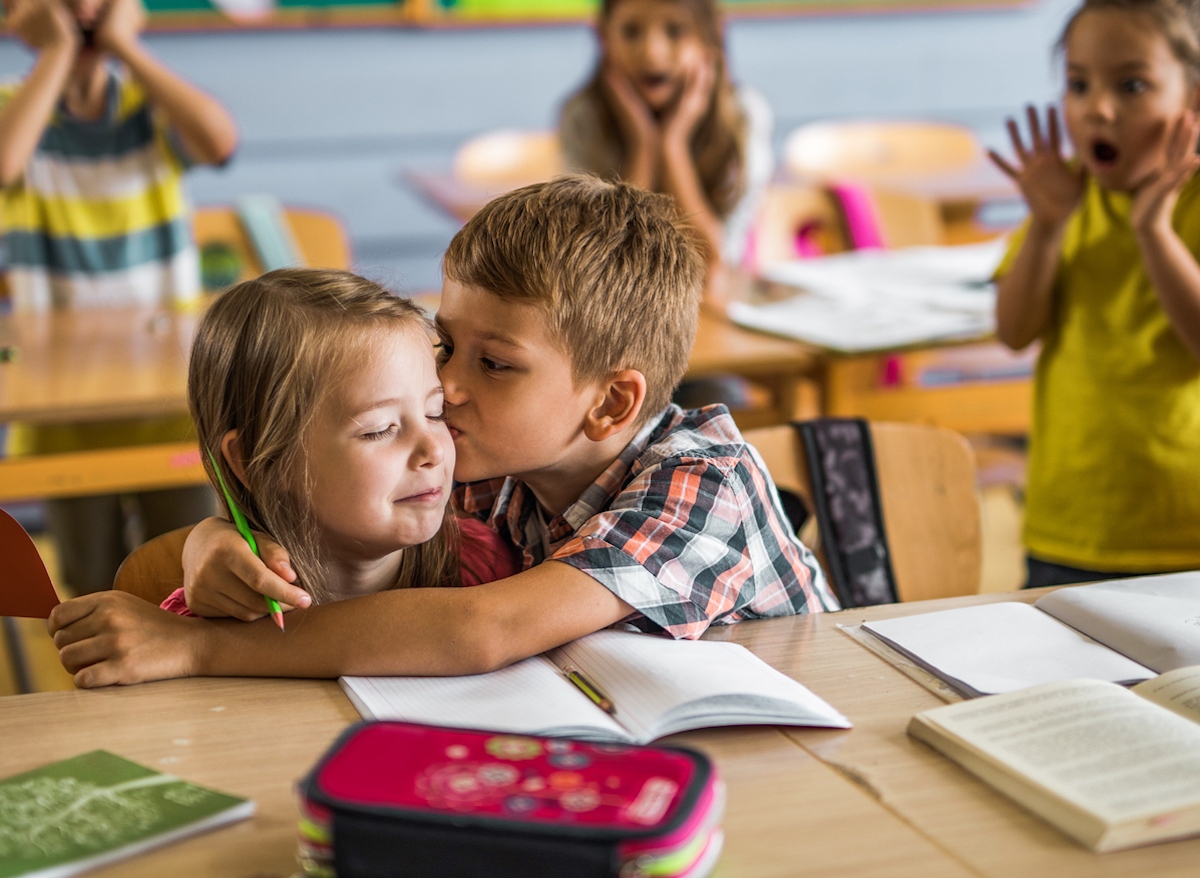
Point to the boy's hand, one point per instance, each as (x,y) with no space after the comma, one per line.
(118,25)
(223,577)
(42,24)
(694,100)
(113,637)
(1051,189)
(1154,200)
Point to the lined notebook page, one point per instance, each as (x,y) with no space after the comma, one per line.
(530,697)
(648,678)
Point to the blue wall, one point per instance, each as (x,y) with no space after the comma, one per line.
(334,118)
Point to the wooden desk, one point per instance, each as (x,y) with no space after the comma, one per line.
(866,802)
(256,738)
(976,826)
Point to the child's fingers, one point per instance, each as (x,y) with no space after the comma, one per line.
(1055,133)
(77,656)
(1035,128)
(1014,134)
(255,574)
(1004,166)
(69,612)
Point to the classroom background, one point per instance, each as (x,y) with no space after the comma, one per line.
(335,118)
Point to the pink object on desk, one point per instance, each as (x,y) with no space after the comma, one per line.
(25,588)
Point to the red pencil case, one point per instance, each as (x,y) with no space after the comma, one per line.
(393,798)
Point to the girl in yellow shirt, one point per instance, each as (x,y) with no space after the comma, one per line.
(1105,274)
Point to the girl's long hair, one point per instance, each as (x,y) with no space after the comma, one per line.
(267,354)
(718,143)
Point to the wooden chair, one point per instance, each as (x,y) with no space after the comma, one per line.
(873,150)
(155,569)
(930,507)
(508,159)
(320,237)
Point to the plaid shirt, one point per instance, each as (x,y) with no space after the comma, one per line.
(685,526)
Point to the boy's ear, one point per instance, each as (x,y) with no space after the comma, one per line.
(231,450)
(624,394)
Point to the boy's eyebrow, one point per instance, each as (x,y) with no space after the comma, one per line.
(490,335)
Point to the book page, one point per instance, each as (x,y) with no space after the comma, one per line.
(660,686)
(1177,690)
(1002,647)
(1091,743)
(1155,620)
(530,697)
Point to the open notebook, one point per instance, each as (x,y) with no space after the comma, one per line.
(657,686)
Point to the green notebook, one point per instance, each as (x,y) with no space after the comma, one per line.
(98,808)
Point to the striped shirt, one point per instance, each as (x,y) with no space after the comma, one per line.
(685,526)
(99,217)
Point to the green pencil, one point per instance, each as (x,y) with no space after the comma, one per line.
(244,530)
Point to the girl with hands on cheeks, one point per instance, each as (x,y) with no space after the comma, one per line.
(1104,273)
(660,112)
(318,394)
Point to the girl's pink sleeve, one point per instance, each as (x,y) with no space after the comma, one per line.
(176,604)
(485,556)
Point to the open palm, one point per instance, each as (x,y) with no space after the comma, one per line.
(1051,188)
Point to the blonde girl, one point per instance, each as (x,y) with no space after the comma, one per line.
(318,395)
(662,113)
(1104,273)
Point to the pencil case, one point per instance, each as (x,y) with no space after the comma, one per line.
(392,799)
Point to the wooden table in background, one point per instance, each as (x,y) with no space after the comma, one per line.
(865,802)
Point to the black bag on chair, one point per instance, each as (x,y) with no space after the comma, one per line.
(841,464)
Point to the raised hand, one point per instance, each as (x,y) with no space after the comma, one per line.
(694,100)
(41,24)
(1154,200)
(118,24)
(1050,187)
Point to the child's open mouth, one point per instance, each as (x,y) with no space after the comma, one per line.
(1104,153)
(651,81)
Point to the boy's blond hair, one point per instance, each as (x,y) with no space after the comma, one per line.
(618,276)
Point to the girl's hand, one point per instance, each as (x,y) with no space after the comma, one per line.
(223,577)
(633,114)
(112,637)
(41,24)
(1051,189)
(694,100)
(118,25)
(1154,200)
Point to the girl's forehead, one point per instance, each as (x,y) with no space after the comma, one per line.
(1117,36)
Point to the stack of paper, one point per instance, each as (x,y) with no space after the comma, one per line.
(877,299)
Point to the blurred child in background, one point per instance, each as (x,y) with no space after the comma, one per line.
(93,214)
(661,113)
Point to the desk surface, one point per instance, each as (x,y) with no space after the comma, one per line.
(95,365)
(132,362)
(869,801)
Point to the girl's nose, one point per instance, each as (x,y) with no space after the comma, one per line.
(656,49)
(431,450)
(1101,105)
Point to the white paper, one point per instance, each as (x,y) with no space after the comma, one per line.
(1154,620)
(530,697)
(1003,647)
(874,299)
(659,684)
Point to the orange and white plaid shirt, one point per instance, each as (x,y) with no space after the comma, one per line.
(685,526)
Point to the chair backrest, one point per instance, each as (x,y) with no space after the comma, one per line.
(872,150)
(320,237)
(155,569)
(930,506)
(509,158)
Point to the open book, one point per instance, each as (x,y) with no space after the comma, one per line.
(1123,631)
(656,686)
(1110,767)
(98,808)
